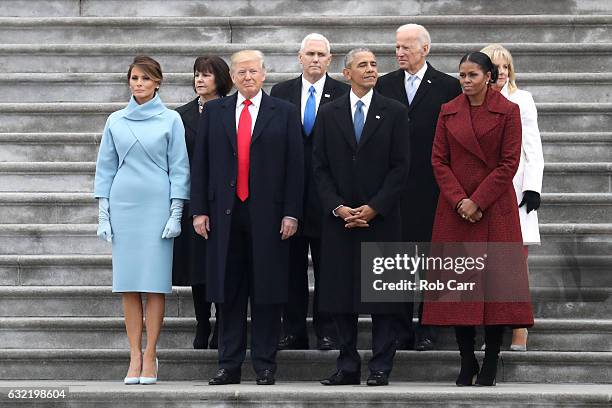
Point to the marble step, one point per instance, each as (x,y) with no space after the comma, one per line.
(68,147)
(177,88)
(274,28)
(99,301)
(566,271)
(78,177)
(176,364)
(81,208)
(281,56)
(91,117)
(175,394)
(189,8)
(178,333)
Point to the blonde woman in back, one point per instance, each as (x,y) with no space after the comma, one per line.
(528,178)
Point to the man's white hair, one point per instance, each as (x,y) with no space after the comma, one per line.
(424,37)
(315,37)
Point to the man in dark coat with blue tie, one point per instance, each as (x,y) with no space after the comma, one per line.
(311,90)
(423,90)
(361,161)
(246,199)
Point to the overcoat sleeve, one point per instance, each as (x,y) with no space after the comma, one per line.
(450,188)
(532,145)
(328,192)
(178,160)
(106,165)
(497,181)
(199,168)
(294,177)
(399,161)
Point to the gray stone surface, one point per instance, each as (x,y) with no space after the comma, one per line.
(51,239)
(533,57)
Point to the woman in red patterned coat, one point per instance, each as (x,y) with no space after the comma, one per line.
(475,155)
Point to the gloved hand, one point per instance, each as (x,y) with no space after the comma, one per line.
(173,226)
(532,199)
(104,228)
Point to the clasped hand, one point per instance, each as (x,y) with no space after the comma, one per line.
(469,211)
(359,217)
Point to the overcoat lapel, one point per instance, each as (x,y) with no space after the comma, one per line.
(329,90)
(229,118)
(460,126)
(373,120)
(424,87)
(296,93)
(266,112)
(345,121)
(192,116)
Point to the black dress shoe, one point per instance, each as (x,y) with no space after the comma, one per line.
(342,377)
(326,343)
(201,338)
(378,378)
(404,344)
(292,342)
(265,377)
(425,345)
(225,376)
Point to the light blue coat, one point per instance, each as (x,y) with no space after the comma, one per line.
(142,165)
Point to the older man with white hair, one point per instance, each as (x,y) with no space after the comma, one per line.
(423,89)
(312,89)
(246,199)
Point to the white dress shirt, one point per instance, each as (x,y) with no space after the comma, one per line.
(318,86)
(366,99)
(253,108)
(420,74)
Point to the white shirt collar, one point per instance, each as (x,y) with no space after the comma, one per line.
(366,99)
(420,73)
(318,86)
(256,100)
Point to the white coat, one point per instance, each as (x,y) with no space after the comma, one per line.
(531,167)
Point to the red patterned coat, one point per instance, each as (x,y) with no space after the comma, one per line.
(479,161)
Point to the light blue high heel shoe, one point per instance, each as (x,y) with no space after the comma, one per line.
(150,380)
(131,380)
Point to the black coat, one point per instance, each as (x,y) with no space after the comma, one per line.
(374,173)
(291,91)
(276,185)
(189,247)
(420,197)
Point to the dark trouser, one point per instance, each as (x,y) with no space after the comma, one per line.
(383,342)
(265,318)
(408,331)
(202,309)
(296,310)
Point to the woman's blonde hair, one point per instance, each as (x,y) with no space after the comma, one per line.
(495,51)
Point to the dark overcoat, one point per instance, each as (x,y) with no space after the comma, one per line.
(479,161)
(291,91)
(372,172)
(275,190)
(419,198)
(189,247)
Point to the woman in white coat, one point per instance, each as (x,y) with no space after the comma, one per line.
(528,178)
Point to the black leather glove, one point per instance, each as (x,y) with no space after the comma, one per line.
(532,199)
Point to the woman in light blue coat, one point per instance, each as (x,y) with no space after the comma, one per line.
(142,178)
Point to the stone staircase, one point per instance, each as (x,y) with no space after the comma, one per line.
(62,71)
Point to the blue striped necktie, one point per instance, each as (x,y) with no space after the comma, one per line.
(358,120)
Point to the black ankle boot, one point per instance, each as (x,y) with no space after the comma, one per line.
(469,365)
(469,370)
(493,340)
(488,372)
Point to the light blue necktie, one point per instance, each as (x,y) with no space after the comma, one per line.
(411,88)
(358,120)
(309,112)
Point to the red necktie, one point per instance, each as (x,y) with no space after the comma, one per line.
(244,147)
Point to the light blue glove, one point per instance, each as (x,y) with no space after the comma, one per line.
(104,228)
(173,226)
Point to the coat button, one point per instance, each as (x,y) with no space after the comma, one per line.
(228,211)
(354,158)
(235,154)
(232,183)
